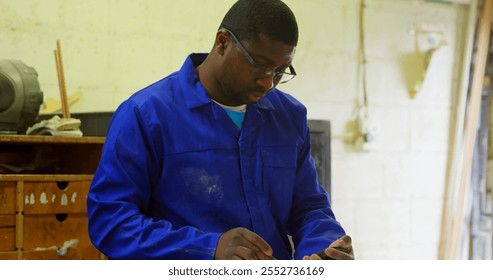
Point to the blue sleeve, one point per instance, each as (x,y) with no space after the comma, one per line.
(312,223)
(120,197)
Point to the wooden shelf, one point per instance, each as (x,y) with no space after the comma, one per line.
(29,139)
(45,177)
(21,154)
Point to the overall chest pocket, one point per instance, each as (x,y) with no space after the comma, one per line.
(279,173)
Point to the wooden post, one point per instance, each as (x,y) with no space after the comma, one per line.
(470,127)
(455,161)
(61,81)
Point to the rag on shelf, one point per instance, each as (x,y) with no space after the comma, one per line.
(56,126)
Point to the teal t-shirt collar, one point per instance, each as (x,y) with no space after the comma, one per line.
(236,113)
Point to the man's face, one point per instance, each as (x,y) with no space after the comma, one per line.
(249,68)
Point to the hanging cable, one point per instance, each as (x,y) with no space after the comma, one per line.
(362,54)
(362,94)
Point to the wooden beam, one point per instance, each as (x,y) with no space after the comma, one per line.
(470,127)
(61,80)
(455,161)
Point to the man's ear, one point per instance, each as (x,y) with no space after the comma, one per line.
(222,41)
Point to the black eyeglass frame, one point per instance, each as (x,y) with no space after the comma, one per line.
(275,73)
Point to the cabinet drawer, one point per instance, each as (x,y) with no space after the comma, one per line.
(55,197)
(7,238)
(46,231)
(7,197)
(8,255)
(7,233)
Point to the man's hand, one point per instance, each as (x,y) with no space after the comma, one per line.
(242,244)
(341,249)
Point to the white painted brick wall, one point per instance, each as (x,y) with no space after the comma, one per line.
(389,200)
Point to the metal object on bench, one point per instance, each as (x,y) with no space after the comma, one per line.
(20,96)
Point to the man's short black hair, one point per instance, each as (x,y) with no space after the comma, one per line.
(249,18)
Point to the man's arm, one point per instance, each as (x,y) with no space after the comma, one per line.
(312,223)
(120,199)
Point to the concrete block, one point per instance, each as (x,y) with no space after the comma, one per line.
(425,223)
(430,130)
(349,173)
(383,222)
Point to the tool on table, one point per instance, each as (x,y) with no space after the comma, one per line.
(324,256)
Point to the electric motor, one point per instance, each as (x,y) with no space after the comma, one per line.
(20,96)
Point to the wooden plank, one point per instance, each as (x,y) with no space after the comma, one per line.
(55,197)
(50,139)
(61,80)
(458,119)
(45,177)
(470,127)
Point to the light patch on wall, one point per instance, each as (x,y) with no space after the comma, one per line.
(417,65)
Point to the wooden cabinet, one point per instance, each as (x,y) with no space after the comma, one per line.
(44,182)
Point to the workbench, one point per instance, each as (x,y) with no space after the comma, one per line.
(44,182)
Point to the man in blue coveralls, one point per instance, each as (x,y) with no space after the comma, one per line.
(213,161)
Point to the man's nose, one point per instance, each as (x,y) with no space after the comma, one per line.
(267,82)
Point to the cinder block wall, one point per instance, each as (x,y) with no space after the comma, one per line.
(390,199)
